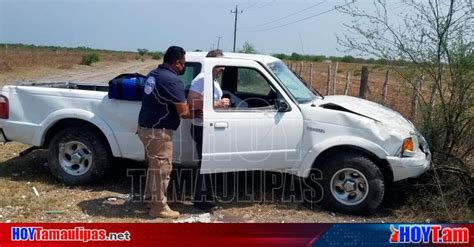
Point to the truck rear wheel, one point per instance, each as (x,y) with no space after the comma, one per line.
(352,184)
(78,156)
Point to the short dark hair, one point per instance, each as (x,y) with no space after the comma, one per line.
(174,53)
(215,53)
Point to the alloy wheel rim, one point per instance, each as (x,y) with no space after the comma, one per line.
(349,186)
(75,158)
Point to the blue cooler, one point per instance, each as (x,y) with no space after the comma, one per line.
(127,87)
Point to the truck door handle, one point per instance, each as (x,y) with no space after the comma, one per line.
(221,125)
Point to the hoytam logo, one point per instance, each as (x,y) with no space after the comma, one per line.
(429,234)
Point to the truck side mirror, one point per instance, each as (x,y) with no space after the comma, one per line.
(282,106)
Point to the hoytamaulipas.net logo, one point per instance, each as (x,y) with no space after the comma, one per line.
(429,234)
(74,234)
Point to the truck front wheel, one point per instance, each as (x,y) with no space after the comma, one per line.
(77,156)
(352,184)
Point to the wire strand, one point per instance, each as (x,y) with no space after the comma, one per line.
(251,5)
(292,14)
(303,19)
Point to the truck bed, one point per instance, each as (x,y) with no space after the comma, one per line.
(35,107)
(101,87)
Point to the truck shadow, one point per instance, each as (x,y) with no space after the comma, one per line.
(233,190)
(30,168)
(126,181)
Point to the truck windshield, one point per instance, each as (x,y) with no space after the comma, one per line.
(291,82)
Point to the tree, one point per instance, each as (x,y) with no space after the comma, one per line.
(142,52)
(435,37)
(347,59)
(248,48)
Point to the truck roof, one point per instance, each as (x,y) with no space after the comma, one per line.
(199,56)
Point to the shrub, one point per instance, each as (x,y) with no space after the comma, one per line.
(142,52)
(90,59)
(280,56)
(248,48)
(318,58)
(347,59)
(157,55)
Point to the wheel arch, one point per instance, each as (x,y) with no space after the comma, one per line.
(382,164)
(63,117)
(63,124)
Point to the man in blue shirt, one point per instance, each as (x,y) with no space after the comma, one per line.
(163,104)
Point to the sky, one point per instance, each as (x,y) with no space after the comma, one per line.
(156,24)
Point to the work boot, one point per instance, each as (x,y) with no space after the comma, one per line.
(166,213)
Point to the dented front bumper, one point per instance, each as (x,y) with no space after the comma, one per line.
(409,167)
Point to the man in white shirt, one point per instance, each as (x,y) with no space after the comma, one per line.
(203,199)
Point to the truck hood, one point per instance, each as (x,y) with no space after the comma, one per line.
(364,108)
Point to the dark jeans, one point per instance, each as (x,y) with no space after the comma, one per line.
(202,180)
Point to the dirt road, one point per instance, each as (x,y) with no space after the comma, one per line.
(111,201)
(99,72)
(106,72)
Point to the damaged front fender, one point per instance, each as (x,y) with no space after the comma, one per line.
(339,141)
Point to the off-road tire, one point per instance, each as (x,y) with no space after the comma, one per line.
(99,152)
(358,163)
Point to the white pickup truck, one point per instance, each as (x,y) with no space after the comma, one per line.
(275,123)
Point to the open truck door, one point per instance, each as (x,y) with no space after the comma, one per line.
(265,134)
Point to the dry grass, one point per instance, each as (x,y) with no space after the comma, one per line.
(399,94)
(20,57)
(21,63)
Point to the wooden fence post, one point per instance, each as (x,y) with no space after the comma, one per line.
(311,74)
(301,68)
(385,87)
(414,99)
(329,79)
(364,79)
(348,79)
(335,79)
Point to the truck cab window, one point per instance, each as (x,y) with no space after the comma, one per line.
(247,88)
(192,70)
